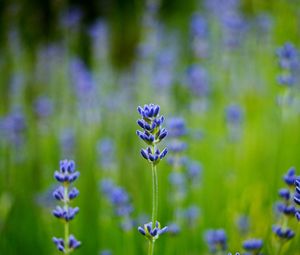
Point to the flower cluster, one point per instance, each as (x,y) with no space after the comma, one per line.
(120,201)
(63,193)
(285,207)
(199,35)
(152,233)
(297,197)
(234,118)
(288,58)
(253,246)
(216,240)
(60,244)
(152,133)
(283,233)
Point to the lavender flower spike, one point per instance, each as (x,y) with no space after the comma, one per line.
(152,134)
(66,175)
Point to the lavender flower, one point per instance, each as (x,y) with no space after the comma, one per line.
(43,107)
(234,118)
(199,35)
(105,252)
(234,114)
(120,201)
(152,134)
(163,72)
(289,61)
(12,127)
(66,175)
(198,80)
(177,127)
(283,234)
(243,224)
(191,214)
(173,228)
(286,206)
(152,233)
(106,151)
(71,18)
(290,177)
(194,170)
(216,240)
(288,56)
(286,209)
(297,198)
(253,245)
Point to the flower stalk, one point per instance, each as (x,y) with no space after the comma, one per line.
(152,134)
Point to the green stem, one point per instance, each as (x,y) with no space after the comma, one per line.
(151,248)
(154,195)
(279,248)
(154,202)
(66,223)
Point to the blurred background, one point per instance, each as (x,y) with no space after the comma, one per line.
(226,75)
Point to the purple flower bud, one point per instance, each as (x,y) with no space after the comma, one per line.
(284,234)
(163,153)
(163,230)
(162,135)
(73,243)
(290,176)
(156,110)
(59,242)
(73,177)
(284,193)
(59,193)
(144,154)
(141,230)
(73,193)
(141,123)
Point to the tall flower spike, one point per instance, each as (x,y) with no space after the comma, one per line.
(152,134)
(63,193)
(297,198)
(286,209)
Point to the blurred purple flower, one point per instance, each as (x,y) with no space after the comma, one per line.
(43,107)
(198,80)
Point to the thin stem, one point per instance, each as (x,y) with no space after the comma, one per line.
(279,248)
(66,223)
(154,202)
(154,195)
(151,248)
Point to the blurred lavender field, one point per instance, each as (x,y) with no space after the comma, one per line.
(226,74)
